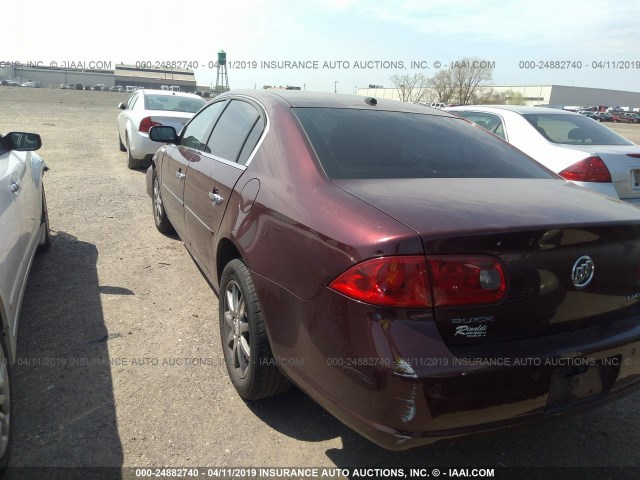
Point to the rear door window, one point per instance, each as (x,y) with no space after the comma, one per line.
(197,131)
(237,132)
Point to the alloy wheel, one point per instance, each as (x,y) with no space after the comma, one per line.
(236,329)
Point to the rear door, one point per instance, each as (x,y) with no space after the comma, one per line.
(211,180)
(193,143)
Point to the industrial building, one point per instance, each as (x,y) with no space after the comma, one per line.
(124,75)
(129,75)
(548,95)
(56,76)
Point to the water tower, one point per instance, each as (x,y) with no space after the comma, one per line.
(222,79)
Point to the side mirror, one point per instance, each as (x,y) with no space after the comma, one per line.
(21,141)
(122,106)
(163,134)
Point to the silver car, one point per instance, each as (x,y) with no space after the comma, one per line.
(149,108)
(24,228)
(574,146)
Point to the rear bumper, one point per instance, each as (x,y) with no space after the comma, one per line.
(387,373)
(142,147)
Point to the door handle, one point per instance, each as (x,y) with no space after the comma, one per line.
(216,198)
(15,186)
(180,175)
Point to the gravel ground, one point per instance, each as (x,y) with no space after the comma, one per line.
(119,354)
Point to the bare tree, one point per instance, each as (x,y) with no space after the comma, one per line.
(411,88)
(489,96)
(467,74)
(442,85)
(515,98)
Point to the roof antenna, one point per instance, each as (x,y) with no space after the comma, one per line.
(371,101)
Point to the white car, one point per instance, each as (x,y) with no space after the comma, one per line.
(146,109)
(574,146)
(24,227)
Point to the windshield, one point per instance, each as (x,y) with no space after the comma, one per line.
(173,103)
(354,144)
(568,129)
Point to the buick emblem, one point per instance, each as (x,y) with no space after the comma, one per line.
(583,271)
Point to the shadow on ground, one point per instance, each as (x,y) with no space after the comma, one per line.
(64,410)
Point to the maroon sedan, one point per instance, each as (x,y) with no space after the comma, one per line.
(415,275)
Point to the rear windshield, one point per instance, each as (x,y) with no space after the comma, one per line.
(569,129)
(173,103)
(354,143)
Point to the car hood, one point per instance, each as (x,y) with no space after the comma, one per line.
(435,207)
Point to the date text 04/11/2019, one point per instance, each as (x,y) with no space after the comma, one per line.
(579,65)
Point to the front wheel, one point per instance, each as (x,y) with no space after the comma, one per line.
(247,353)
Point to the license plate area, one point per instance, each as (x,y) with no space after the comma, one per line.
(582,383)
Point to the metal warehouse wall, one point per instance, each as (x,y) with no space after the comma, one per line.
(540,95)
(564,95)
(56,77)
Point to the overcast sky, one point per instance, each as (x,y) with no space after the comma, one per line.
(399,32)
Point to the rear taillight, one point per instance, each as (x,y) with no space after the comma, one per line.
(590,169)
(146,123)
(387,281)
(466,280)
(456,280)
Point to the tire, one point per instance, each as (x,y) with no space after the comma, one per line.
(122,147)
(132,162)
(163,224)
(247,353)
(5,407)
(45,242)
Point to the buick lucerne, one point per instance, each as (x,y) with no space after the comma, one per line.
(415,275)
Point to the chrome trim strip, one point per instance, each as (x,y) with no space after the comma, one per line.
(198,218)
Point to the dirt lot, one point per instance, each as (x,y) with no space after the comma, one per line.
(119,354)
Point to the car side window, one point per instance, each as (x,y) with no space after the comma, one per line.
(237,132)
(196,132)
(251,141)
(488,121)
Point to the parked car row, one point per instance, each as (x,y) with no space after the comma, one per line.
(15,83)
(628,117)
(364,237)
(99,87)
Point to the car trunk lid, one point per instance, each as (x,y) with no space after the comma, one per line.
(542,231)
(623,162)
